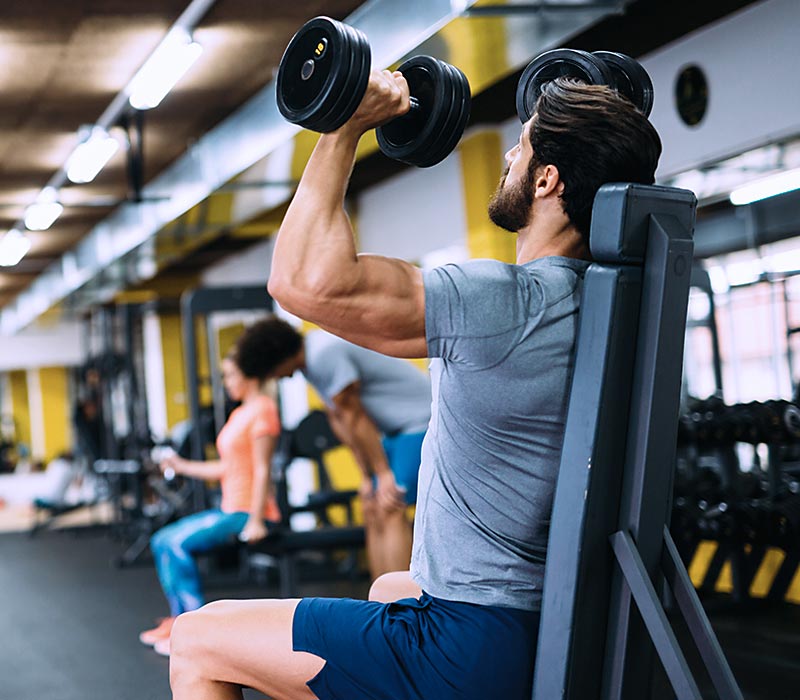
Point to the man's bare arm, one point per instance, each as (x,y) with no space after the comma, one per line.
(374,301)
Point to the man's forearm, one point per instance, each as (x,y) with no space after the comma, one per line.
(359,433)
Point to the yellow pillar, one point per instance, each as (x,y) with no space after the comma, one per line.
(174,372)
(481,165)
(55,411)
(227,337)
(18,380)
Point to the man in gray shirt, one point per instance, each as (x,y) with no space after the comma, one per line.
(463,623)
(379,407)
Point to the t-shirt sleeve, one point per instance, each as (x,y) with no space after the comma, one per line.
(331,370)
(477,311)
(266,420)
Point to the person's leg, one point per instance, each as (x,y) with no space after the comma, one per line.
(373,533)
(403,452)
(195,533)
(161,559)
(394,586)
(395,541)
(228,645)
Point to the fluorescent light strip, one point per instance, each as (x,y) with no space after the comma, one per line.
(91,156)
(13,247)
(41,215)
(165,67)
(767,187)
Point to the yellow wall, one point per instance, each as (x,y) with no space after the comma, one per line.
(174,373)
(227,336)
(481,161)
(55,411)
(20,407)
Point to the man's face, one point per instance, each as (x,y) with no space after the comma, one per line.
(510,206)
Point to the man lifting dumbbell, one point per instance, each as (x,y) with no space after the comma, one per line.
(463,623)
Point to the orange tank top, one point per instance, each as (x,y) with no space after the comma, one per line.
(249,421)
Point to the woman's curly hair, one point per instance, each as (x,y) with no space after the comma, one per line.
(263,346)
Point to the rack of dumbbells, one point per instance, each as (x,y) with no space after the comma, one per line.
(736,507)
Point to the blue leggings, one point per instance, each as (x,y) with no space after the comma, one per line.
(174,545)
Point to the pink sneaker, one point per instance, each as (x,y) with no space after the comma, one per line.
(161,647)
(157,634)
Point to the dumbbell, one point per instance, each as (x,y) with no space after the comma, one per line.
(618,71)
(323,76)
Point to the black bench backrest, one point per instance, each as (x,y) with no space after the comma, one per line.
(640,241)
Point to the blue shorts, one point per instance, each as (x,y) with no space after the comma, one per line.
(404,454)
(426,649)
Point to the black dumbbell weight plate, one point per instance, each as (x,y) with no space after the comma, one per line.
(425,135)
(558,63)
(323,74)
(629,79)
(452,129)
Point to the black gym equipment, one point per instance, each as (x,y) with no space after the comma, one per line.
(323,76)
(609,546)
(618,71)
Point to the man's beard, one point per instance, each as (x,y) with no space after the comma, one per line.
(510,208)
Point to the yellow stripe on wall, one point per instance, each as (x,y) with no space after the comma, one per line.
(55,411)
(174,373)
(20,408)
(767,571)
(793,594)
(701,561)
(481,165)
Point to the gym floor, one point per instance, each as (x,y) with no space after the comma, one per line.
(71,620)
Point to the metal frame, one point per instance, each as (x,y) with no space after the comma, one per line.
(203,302)
(608,546)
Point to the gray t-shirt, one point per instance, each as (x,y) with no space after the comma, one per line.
(502,337)
(394,393)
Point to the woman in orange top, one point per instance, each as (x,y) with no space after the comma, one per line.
(245,444)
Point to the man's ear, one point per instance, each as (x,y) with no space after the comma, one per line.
(547,181)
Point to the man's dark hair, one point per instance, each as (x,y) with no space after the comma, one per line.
(263,346)
(593,135)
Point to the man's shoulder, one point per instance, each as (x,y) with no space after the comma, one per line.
(476,271)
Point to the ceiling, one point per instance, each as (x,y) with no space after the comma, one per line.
(62,63)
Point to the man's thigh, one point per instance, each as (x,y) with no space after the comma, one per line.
(248,643)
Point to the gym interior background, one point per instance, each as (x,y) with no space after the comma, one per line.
(123,284)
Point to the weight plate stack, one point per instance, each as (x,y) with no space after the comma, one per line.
(558,63)
(629,79)
(431,130)
(323,74)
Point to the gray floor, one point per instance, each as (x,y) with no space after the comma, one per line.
(70,622)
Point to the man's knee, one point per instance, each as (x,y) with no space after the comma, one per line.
(191,640)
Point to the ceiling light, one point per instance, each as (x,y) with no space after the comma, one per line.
(767,187)
(13,247)
(90,157)
(165,67)
(40,215)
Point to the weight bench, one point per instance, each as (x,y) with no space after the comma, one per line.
(609,545)
(309,440)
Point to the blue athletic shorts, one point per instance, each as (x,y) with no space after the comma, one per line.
(426,649)
(404,454)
